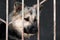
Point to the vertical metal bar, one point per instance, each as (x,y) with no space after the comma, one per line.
(38,34)
(23,19)
(54,18)
(6,19)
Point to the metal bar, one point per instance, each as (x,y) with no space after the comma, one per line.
(38,25)
(6,19)
(42,2)
(23,19)
(54,18)
(3,20)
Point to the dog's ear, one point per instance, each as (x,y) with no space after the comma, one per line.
(18,6)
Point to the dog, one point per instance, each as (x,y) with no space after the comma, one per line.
(29,24)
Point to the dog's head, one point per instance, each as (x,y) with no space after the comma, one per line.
(29,23)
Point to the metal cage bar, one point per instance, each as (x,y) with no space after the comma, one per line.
(2,20)
(38,17)
(54,18)
(6,19)
(38,25)
(22,19)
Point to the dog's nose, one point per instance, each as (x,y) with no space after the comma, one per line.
(33,29)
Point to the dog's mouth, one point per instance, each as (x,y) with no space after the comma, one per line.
(32,30)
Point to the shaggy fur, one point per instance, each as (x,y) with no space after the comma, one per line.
(15,28)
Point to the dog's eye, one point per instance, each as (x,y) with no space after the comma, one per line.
(27,19)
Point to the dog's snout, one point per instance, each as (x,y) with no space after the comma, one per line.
(31,29)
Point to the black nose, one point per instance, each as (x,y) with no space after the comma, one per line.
(31,30)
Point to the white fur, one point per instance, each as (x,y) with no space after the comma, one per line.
(17,23)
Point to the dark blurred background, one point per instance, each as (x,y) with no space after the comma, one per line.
(46,18)
(58,19)
(3,9)
(3,16)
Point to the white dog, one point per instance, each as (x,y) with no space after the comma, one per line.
(30,19)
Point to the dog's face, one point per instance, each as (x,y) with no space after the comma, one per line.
(29,22)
